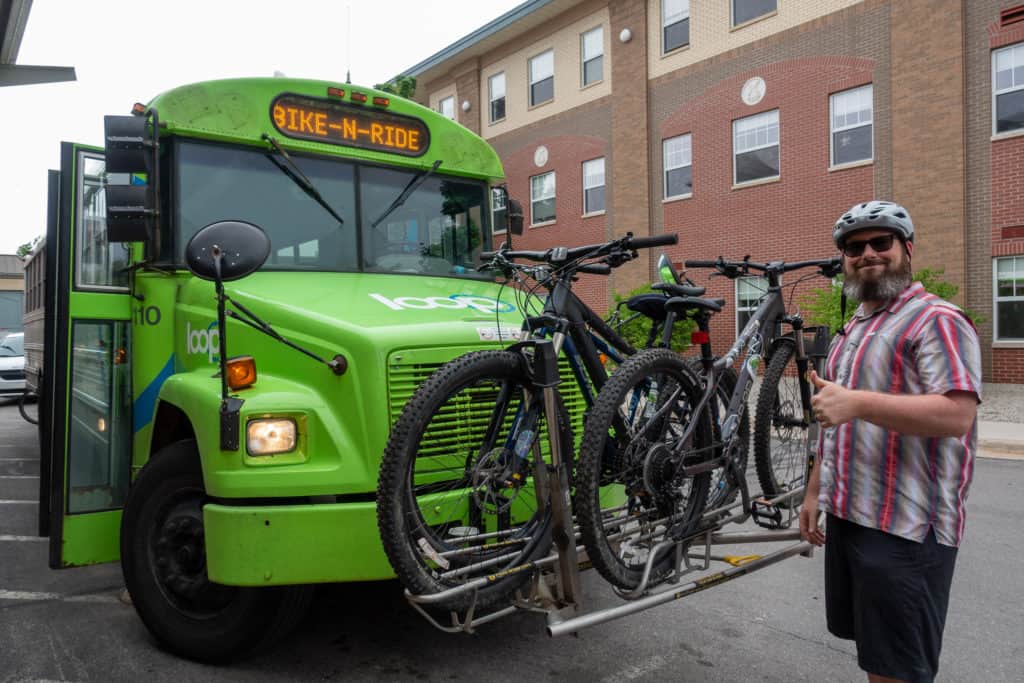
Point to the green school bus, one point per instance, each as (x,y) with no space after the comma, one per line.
(220,435)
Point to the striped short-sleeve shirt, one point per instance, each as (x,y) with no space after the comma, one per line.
(882,479)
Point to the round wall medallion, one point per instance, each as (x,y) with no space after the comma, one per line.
(753,91)
(540,156)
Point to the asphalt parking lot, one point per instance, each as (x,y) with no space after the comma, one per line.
(69,625)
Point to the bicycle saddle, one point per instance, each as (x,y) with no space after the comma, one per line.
(650,305)
(681,304)
(678,290)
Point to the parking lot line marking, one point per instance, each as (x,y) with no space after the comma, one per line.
(33,596)
(7,537)
(18,459)
(19,502)
(19,476)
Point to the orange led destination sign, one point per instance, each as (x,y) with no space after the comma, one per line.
(337,123)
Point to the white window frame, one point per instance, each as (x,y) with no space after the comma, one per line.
(833,129)
(586,209)
(553,197)
(533,81)
(996,299)
(684,15)
(583,55)
(766,145)
(1017,52)
(491,99)
(732,14)
(450,100)
(759,283)
(688,139)
(498,205)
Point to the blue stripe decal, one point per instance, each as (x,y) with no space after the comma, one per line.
(142,410)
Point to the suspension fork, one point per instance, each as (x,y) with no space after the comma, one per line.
(804,382)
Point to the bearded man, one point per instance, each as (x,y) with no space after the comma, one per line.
(898,410)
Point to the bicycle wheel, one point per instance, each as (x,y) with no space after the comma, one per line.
(781,431)
(722,491)
(455,499)
(629,493)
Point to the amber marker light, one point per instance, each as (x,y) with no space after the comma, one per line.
(335,92)
(358,97)
(241,372)
(381,102)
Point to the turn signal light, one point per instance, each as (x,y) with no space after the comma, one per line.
(241,372)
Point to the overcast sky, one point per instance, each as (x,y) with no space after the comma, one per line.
(128,51)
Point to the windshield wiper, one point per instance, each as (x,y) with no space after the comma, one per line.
(299,178)
(410,187)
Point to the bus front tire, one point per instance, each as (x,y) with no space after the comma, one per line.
(163,558)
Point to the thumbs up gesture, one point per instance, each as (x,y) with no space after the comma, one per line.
(832,404)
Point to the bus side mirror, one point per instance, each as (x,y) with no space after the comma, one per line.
(515,217)
(227,250)
(130,151)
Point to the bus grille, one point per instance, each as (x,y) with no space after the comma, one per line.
(464,421)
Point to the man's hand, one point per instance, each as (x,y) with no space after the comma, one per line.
(809,530)
(833,405)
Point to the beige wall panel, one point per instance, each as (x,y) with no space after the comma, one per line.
(568,90)
(711,31)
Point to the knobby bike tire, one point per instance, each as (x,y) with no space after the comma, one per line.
(780,432)
(434,483)
(722,491)
(614,499)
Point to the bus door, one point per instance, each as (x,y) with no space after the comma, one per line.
(87,393)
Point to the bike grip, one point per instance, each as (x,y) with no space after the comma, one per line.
(700,264)
(656,241)
(595,269)
(487,255)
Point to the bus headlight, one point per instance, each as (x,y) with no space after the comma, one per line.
(270,436)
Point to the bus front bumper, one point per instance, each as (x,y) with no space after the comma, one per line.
(275,545)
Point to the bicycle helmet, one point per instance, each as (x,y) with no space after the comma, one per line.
(874,214)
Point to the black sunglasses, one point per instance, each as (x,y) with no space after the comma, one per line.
(878,245)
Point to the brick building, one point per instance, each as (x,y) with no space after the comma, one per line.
(748,126)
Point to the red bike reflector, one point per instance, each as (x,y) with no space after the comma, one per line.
(381,101)
(359,97)
(700,337)
(335,92)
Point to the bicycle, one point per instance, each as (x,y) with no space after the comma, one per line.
(473,506)
(670,437)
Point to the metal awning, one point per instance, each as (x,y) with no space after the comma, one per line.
(13,19)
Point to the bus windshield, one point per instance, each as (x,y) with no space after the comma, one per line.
(439,228)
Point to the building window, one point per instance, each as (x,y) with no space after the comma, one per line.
(592,55)
(496,94)
(447,107)
(1009,298)
(678,157)
(1008,88)
(675,24)
(542,198)
(542,78)
(499,212)
(756,147)
(748,10)
(593,185)
(749,291)
(851,112)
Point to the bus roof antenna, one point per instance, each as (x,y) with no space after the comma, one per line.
(348,47)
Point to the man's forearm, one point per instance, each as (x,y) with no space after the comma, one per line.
(933,415)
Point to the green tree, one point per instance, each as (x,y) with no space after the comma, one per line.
(24,249)
(403,86)
(635,329)
(822,306)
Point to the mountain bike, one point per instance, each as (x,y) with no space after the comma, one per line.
(665,408)
(463,496)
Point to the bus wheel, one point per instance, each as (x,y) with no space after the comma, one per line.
(163,557)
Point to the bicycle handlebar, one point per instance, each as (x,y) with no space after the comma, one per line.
(557,255)
(732,269)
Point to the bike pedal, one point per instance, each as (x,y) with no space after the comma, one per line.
(765,515)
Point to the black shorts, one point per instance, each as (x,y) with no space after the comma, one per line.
(889,594)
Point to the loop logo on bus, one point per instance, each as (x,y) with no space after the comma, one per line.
(475,302)
(203,341)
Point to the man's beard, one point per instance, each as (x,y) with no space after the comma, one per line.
(888,286)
